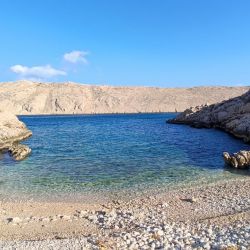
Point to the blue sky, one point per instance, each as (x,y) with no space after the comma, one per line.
(165,43)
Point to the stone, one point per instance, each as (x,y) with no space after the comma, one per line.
(66,217)
(12,131)
(19,152)
(14,220)
(191,200)
(46,219)
(240,159)
(160,232)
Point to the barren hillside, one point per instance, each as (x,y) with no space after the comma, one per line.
(26,97)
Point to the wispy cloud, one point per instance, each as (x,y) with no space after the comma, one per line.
(44,72)
(39,72)
(76,56)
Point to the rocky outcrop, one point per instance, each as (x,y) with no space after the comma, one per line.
(232,115)
(19,152)
(238,160)
(12,131)
(26,97)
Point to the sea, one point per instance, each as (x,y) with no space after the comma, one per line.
(75,157)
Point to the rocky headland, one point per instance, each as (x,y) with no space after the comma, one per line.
(29,98)
(232,116)
(12,131)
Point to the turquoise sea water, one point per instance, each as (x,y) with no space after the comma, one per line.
(82,154)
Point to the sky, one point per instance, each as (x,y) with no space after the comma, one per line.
(164,43)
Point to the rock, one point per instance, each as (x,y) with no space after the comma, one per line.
(191,200)
(19,152)
(232,116)
(83,212)
(46,219)
(8,220)
(238,160)
(163,204)
(13,220)
(66,217)
(160,233)
(16,220)
(92,218)
(12,131)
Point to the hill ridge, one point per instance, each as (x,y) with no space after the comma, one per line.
(29,98)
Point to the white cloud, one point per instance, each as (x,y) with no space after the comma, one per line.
(76,56)
(41,72)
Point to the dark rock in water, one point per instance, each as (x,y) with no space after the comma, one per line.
(238,160)
(19,152)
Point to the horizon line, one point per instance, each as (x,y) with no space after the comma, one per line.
(124,86)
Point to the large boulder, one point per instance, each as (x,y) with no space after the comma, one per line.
(19,151)
(240,159)
(12,131)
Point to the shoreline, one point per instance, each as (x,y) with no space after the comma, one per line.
(95,114)
(217,204)
(211,213)
(107,194)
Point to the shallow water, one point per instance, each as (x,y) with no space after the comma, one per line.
(82,154)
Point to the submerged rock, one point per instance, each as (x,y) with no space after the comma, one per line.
(240,159)
(12,131)
(19,152)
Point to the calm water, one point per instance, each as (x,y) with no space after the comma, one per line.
(110,153)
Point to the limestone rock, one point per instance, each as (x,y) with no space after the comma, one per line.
(238,160)
(26,97)
(12,131)
(232,116)
(19,152)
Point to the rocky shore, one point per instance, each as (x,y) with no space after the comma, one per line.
(232,116)
(12,131)
(215,216)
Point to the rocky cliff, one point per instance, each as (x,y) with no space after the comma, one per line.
(232,115)
(26,97)
(12,131)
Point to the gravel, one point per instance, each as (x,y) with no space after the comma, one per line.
(148,232)
(212,217)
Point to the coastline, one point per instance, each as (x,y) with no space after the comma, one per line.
(217,204)
(98,196)
(193,217)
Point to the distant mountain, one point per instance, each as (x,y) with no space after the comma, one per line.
(26,97)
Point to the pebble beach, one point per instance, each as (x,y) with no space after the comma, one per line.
(214,216)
